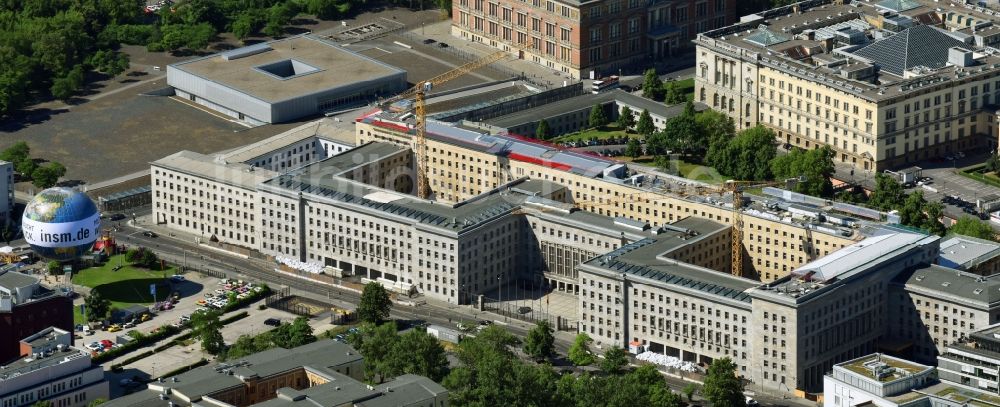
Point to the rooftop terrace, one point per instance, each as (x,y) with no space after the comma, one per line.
(873,367)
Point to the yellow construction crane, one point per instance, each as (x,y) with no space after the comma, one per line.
(418,94)
(737,188)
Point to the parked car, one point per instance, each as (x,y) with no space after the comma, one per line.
(150,233)
(114,328)
(94,346)
(429,41)
(107,344)
(272,322)
(117,217)
(443,44)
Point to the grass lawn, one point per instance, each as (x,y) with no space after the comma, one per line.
(77,316)
(685,169)
(127,286)
(600,133)
(979,173)
(686,87)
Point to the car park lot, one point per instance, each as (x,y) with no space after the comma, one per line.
(191,288)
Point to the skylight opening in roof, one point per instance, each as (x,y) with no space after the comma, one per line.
(766,38)
(287,69)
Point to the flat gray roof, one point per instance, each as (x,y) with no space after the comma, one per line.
(27,365)
(957,286)
(213,168)
(324,129)
(558,108)
(641,260)
(239,69)
(964,252)
(321,357)
(12,280)
(316,180)
(587,101)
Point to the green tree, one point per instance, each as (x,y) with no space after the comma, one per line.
(633,148)
(662,396)
(723,388)
(745,157)
(96,306)
(718,130)
(645,125)
(55,268)
(542,131)
(26,167)
(42,403)
(149,259)
(244,346)
(888,193)
(933,223)
(539,343)
(615,360)
(673,94)
(993,163)
(96,402)
(66,86)
(969,226)
(45,177)
(297,333)
(375,303)
(813,168)
(911,213)
(16,153)
(212,341)
(374,343)
(579,352)
(417,352)
(682,132)
(324,9)
(597,116)
(626,119)
(206,327)
(245,24)
(652,86)
(689,390)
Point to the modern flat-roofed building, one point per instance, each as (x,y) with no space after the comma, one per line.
(974,361)
(590,38)
(974,255)
(26,307)
(326,373)
(51,369)
(883,83)
(283,80)
(965,377)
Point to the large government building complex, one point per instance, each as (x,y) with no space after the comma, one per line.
(882,82)
(646,255)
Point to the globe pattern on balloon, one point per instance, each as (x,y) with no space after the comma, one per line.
(61,224)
